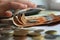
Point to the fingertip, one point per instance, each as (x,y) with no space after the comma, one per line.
(31,5)
(8,14)
(24,6)
(34,6)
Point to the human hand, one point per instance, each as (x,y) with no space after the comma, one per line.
(6,5)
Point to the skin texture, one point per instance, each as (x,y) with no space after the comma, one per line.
(6,5)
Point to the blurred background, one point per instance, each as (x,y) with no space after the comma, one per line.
(48,4)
